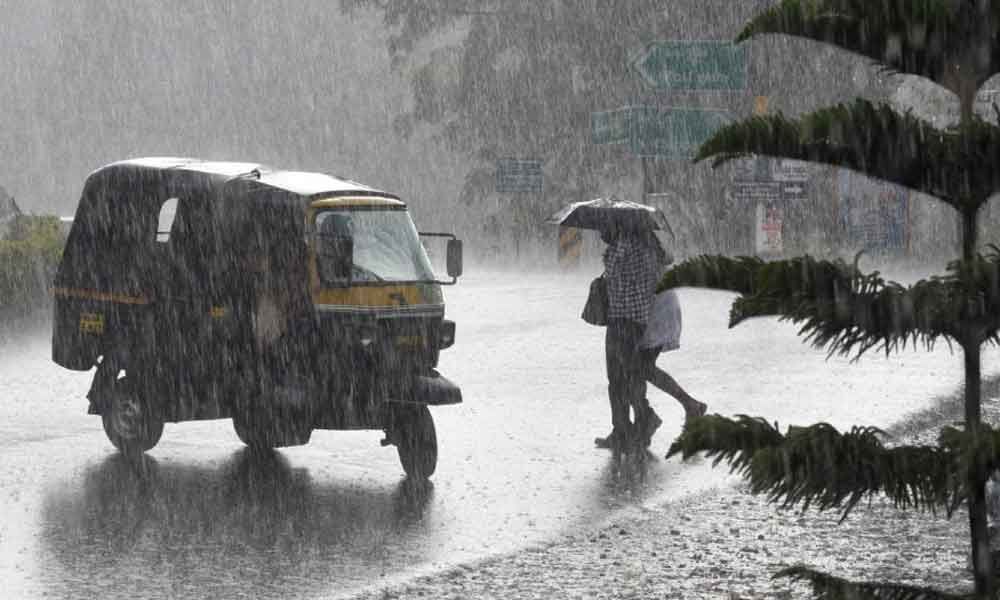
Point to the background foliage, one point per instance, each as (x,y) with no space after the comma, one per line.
(518,78)
(28,260)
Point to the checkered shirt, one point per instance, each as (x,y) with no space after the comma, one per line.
(631,270)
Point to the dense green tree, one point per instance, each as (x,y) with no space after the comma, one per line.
(955,44)
(29,255)
(521,82)
(521,78)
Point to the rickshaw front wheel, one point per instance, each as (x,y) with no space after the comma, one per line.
(416,442)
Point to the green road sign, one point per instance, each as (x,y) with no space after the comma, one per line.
(702,65)
(676,132)
(652,131)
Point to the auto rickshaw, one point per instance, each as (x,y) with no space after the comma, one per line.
(286,301)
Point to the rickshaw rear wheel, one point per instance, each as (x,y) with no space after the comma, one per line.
(416,442)
(128,421)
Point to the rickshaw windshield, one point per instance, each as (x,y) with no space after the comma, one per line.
(385,246)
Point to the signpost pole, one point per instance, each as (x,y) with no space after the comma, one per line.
(647,182)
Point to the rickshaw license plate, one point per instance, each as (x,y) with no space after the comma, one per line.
(92,323)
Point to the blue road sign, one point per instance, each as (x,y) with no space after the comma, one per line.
(875,215)
(515,175)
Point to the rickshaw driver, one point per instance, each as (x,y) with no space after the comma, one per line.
(336,247)
(286,331)
(283,322)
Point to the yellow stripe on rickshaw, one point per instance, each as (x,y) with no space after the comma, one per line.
(100,296)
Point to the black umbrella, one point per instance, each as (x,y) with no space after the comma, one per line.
(599,213)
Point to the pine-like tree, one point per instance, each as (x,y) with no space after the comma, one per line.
(955,44)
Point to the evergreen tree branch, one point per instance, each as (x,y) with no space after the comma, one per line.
(917,37)
(829,587)
(714,272)
(847,312)
(819,466)
(954,166)
(734,441)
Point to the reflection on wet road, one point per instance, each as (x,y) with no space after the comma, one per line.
(203,518)
(251,522)
(267,526)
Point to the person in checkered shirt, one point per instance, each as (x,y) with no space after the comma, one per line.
(633,264)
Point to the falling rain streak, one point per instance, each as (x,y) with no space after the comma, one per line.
(285,312)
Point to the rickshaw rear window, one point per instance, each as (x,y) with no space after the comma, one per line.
(112,244)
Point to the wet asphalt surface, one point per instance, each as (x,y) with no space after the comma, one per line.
(203,518)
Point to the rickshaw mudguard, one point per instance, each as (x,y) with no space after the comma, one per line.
(432,389)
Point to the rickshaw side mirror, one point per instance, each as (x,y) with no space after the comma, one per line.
(454,258)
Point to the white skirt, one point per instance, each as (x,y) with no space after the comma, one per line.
(663,329)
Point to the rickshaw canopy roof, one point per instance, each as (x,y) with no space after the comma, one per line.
(216,173)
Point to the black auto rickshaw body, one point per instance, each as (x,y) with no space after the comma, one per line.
(285,301)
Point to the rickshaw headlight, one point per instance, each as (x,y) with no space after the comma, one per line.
(366,336)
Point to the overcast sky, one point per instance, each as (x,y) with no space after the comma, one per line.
(291,83)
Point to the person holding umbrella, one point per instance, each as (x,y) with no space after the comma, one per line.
(633,264)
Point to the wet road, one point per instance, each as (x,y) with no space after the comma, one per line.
(201,518)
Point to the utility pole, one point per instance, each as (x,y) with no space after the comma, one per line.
(647,181)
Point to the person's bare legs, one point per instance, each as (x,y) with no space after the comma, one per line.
(662,380)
